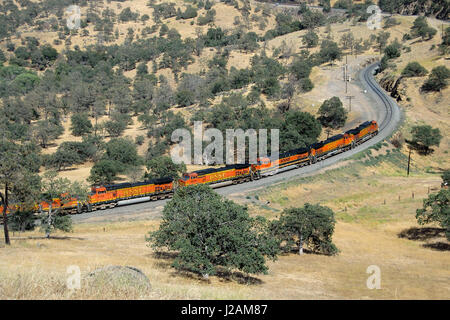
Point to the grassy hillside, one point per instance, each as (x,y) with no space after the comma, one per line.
(111,62)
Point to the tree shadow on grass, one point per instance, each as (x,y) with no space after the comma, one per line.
(422,234)
(166,258)
(440,246)
(45,238)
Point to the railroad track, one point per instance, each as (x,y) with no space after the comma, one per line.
(387,102)
(388,117)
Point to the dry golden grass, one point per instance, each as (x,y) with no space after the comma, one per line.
(366,233)
(423,108)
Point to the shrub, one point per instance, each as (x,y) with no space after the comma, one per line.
(437,80)
(414,69)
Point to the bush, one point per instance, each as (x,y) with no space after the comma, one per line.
(311,39)
(80,124)
(123,151)
(115,128)
(139,140)
(425,136)
(189,13)
(207,18)
(127,15)
(104,172)
(209,231)
(332,113)
(414,69)
(163,167)
(421,29)
(437,80)
(392,51)
(312,225)
(390,22)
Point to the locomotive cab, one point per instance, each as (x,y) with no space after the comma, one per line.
(98,190)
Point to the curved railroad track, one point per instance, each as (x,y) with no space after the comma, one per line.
(388,118)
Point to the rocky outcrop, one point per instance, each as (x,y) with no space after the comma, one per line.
(119,278)
(436,8)
(394,86)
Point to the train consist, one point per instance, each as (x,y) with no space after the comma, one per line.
(109,196)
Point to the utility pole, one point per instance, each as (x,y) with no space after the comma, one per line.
(350,102)
(409,160)
(346,74)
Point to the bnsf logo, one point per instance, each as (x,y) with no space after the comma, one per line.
(162,188)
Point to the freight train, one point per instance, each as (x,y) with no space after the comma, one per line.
(109,196)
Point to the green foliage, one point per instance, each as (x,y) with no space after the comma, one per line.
(157,149)
(163,167)
(414,69)
(207,18)
(299,130)
(115,128)
(390,22)
(139,140)
(127,15)
(105,172)
(164,11)
(249,42)
(439,8)
(209,231)
(425,136)
(445,45)
(80,124)
(312,225)
(437,80)
(285,24)
(420,28)
(301,68)
(63,158)
(381,39)
(436,208)
(47,130)
(446,177)
(313,19)
(185,98)
(189,13)
(330,51)
(2,58)
(62,188)
(332,113)
(311,39)
(393,50)
(123,151)
(22,221)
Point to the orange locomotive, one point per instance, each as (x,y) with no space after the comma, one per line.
(102,197)
(236,173)
(108,196)
(271,165)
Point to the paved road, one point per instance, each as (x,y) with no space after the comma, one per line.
(388,116)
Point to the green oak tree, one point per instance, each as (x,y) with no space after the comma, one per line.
(332,113)
(436,208)
(312,225)
(163,167)
(209,232)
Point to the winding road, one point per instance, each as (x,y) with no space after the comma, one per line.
(388,117)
